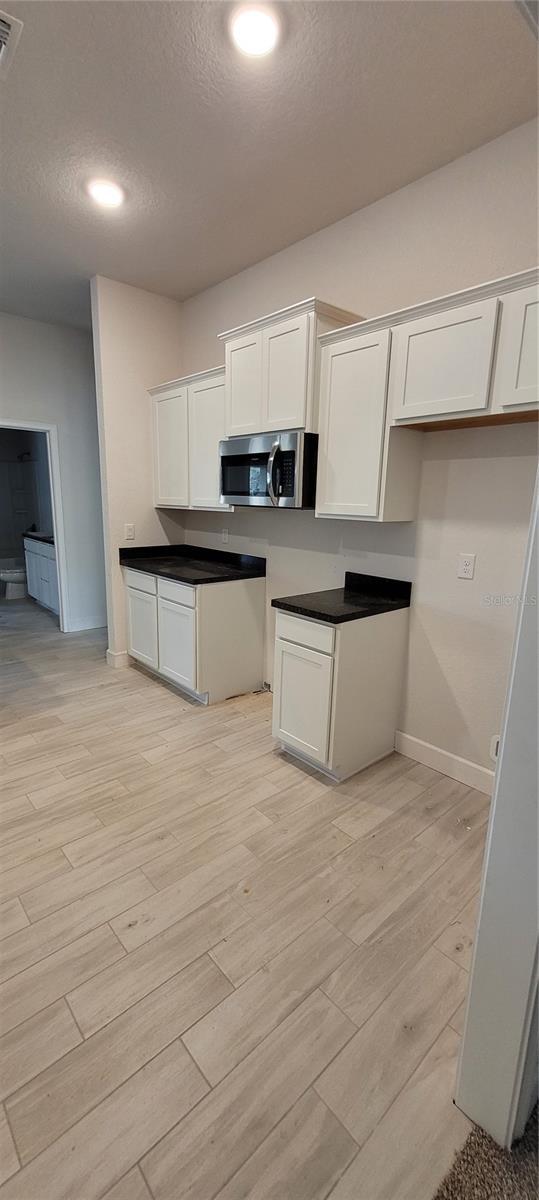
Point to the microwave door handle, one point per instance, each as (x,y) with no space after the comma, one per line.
(269,474)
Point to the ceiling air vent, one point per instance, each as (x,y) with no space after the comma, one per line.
(10,32)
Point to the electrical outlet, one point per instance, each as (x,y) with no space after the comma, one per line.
(224,535)
(494,746)
(466,566)
(129,532)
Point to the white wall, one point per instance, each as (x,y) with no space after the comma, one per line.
(497,1079)
(476,493)
(136,345)
(46,375)
(471,221)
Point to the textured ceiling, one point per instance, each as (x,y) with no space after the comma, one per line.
(226,160)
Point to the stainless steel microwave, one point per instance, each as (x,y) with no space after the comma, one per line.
(271,470)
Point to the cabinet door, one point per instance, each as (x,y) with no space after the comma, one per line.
(142,626)
(170,448)
(515,375)
(302,689)
(352,424)
(442,364)
(243,384)
(53,586)
(177,643)
(32,574)
(206,428)
(45,581)
(285,355)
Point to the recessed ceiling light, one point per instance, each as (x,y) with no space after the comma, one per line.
(106,193)
(255,31)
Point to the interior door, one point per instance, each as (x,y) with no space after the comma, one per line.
(302,699)
(142,626)
(171,452)
(352,422)
(177,642)
(243,384)
(285,349)
(441,364)
(206,428)
(515,377)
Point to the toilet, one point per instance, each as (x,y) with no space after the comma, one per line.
(14,579)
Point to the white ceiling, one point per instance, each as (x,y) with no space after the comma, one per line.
(226,160)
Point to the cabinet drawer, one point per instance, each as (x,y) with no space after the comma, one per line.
(180,593)
(305,633)
(140,581)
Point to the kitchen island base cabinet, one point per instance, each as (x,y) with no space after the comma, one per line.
(207,640)
(337,709)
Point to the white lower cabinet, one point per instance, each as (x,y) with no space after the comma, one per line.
(207,640)
(338,707)
(42,573)
(33,577)
(142,627)
(302,699)
(177,642)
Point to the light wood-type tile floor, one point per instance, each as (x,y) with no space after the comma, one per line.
(222,977)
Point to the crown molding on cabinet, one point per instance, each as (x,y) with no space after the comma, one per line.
(185,380)
(496,287)
(329,311)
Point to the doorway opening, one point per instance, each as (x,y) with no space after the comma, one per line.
(32,547)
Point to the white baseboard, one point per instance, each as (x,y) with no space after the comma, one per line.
(448,764)
(117,658)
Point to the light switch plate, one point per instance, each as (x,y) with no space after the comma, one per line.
(129,532)
(466,566)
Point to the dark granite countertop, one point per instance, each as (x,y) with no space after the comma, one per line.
(40,537)
(361,596)
(192,564)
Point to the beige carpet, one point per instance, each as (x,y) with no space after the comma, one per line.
(482,1171)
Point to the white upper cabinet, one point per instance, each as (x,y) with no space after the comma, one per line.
(515,376)
(352,423)
(170,448)
(206,428)
(441,363)
(285,351)
(243,384)
(272,366)
(469,357)
(188,424)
